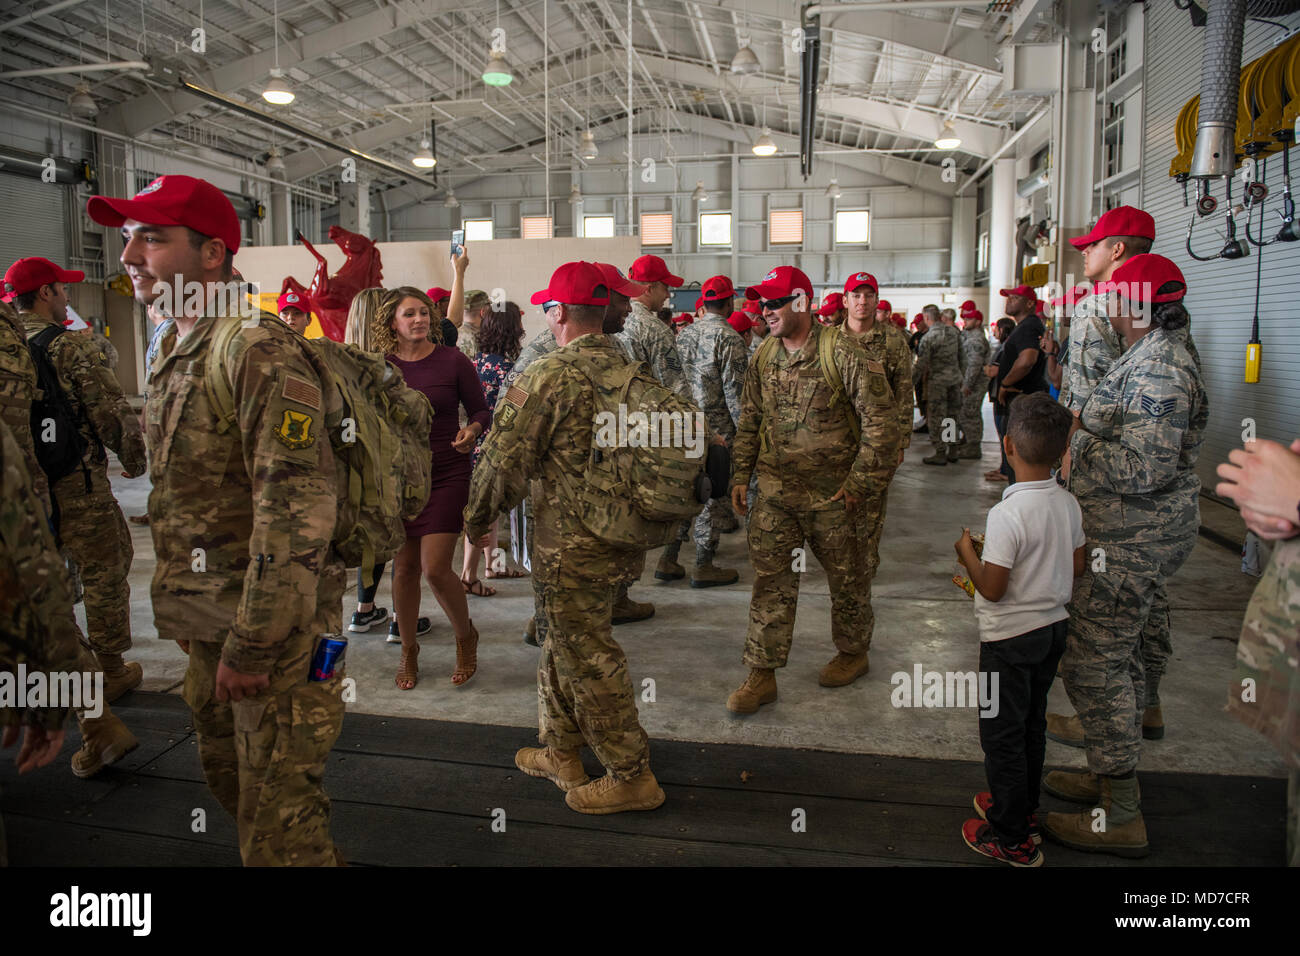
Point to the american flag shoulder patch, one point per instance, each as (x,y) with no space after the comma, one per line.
(516,396)
(301,391)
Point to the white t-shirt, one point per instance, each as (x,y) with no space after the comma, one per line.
(1034,530)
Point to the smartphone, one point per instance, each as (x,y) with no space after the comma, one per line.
(457,242)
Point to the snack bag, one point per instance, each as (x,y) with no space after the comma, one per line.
(960,579)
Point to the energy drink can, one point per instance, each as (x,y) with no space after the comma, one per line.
(327,657)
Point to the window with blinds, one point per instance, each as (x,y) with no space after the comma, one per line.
(785,226)
(656,229)
(535,227)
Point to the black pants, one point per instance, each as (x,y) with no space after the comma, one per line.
(1015,740)
(1000,423)
(366,591)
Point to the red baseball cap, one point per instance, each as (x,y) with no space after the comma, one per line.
(173,200)
(618,282)
(741,322)
(883,305)
(1021,290)
(699,303)
(972,314)
(294,300)
(1138,279)
(684,319)
(1120,221)
(575,283)
(780,282)
(969,306)
(438,293)
(718,287)
(751,305)
(653,269)
(31,273)
(833,302)
(861,279)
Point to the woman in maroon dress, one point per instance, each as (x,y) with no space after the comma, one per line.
(448,379)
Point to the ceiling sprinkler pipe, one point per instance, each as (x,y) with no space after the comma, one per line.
(1216,123)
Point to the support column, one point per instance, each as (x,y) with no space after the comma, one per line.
(281,215)
(962,269)
(354,206)
(1002,226)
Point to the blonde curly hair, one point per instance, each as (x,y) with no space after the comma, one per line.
(361,318)
(382,336)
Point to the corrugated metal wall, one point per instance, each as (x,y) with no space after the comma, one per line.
(1221,294)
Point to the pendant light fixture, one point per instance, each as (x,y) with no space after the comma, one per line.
(764,145)
(497,72)
(425,159)
(699,195)
(588,150)
(575,195)
(833,191)
(745,62)
(277,91)
(451,202)
(275,160)
(81,103)
(948,138)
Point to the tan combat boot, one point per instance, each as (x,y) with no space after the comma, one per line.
(708,576)
(1153,723)
(668,569)
(844,669)
(1065,730)
(119,676)
(1094,832)
(1077,786)
(759,688)
(105,741)
(626,610)
(562,767)
(611,795)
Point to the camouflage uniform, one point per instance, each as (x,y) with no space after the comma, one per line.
(801,443)
(1094,348)
(887,344)
(106,347)
(714,358)
(18,386)
(975,353)
(542,433)
(1133,472)
(941,364)
(38,628)
(467,340)
(259,499)
(91,527)
(1267,654)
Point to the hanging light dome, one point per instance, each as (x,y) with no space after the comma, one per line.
(277,91)
(451,202)
(948,138)
(424,158)
(81,103)
(699,195)
(575,195)
(497,72)
(764,145)
(275,160)
(588,150)
(833,191)
(745,62)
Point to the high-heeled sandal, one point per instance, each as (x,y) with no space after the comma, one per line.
(408,669)
(466,657)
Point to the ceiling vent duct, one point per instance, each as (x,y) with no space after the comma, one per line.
(1032,183)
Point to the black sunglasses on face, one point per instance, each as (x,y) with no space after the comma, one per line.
(772,305)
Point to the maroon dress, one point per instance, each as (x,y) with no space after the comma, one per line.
(448,379)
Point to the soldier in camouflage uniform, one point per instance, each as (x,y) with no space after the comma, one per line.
(90,524)
(542,432)
(798,431)
(242,511)
(1095,346)
(1131,465)
(940,364)
(887,344)
(714,357)
(975,354)
(1264,480)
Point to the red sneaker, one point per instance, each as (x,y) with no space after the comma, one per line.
(984,800)
(979,836)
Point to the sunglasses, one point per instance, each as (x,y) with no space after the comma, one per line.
(772,305)
(548,305)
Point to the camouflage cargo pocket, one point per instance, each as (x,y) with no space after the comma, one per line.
(255,730)
(317,720)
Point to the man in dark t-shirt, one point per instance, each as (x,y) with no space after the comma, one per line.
(1021,363)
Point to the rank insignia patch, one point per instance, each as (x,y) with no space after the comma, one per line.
(1158,409)
(294,430)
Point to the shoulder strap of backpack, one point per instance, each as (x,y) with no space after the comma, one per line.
(761,360)
(216,376)
(826,358)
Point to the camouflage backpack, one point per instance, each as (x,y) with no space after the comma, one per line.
(826,340)
(379,429)
(633,496)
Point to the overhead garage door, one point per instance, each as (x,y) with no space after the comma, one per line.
(32,213)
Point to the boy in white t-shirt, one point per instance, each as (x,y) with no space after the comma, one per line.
(1033,551)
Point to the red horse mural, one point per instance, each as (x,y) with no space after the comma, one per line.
(331,295)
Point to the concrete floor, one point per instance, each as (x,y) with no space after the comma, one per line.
(692,646)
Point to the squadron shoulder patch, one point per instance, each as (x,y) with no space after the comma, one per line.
(1158,409)
(294,430)
(301,391)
